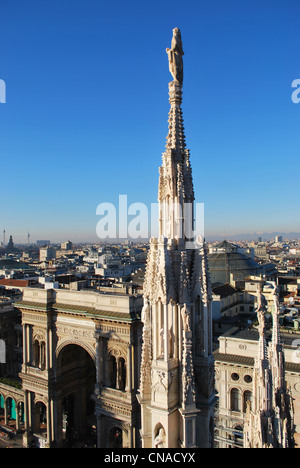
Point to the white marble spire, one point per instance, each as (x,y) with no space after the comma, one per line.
(177,301)
(269,418)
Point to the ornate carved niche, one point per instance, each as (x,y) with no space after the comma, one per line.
(117,365)
(38,335)
(117,349)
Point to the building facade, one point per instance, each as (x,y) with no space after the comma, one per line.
(250,377)
(80,368)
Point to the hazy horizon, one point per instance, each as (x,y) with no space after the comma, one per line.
(86,112)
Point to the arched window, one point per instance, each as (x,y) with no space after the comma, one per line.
(121,374)
(11,408)
(42,364)
(235,400)
(39,354)
(112,371)
(40,417)
(36,354)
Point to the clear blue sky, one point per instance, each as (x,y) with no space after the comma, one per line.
(87,108)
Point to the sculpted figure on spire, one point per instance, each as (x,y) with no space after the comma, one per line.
(175,57)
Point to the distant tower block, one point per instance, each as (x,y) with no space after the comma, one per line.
(177,370)
(10,246)
(4,240)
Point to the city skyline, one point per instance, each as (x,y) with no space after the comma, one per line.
(85,118)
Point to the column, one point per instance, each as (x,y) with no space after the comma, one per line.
(155,331)
(129,369)
(175,330)
(28,418)
(18,415)
(53,420)
(98,365)
(6,412)
(130,436)
(49,432)
(118,373)
(100,432)
(180,337)
(166,333)
(205,327)
(49,351)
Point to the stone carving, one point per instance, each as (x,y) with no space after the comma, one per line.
(162,380)
(269,421)
(186,319)
(162,338)
(160,439)
(175,56)
(145,316)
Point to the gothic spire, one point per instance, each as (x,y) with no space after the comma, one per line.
(269,418)
(175,190)
(177,318)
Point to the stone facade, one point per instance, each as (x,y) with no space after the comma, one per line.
(80,366)
(237,363)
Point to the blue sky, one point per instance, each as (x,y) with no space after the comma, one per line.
(87,108)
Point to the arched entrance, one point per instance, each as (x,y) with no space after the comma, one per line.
(40,413)
(77,377)
(2,412)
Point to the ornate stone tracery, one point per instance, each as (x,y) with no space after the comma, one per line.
(269,421)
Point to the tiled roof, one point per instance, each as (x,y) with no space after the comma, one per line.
(77,309)
(234,359)
(248,361)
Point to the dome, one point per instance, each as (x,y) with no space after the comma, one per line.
(225,260)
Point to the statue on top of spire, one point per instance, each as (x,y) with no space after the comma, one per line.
(175,57)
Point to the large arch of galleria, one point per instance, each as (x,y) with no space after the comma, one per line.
(80,372)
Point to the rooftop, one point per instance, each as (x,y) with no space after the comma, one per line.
(251,334)
(92,304)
